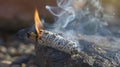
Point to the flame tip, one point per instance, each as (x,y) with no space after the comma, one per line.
(38,24)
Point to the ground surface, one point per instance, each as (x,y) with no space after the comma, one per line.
(16,53)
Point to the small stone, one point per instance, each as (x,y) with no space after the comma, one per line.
(24,65)
(32,47)
(22,46)
(12,50)
(7,57)
(22,49)
(28,51)
(6,62)
(3,49)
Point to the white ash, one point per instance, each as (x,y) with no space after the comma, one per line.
(58,42)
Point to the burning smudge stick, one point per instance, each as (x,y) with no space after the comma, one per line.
(56,41)
(47,38)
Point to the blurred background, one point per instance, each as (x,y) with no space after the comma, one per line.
(18,14)
(15,15)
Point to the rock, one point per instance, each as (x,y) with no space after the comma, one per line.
(26,49)
(3,49)
(91,56)
(30,49)
(24,65)
(21,48)
(7,57)
(5,63)
(12,51)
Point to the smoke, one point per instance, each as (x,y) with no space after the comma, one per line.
(85,18)
(64,12)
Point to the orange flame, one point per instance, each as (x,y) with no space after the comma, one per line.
(38,24)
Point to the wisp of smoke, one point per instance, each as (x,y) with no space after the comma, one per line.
(84,18)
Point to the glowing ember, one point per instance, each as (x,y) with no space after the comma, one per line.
(38,24)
